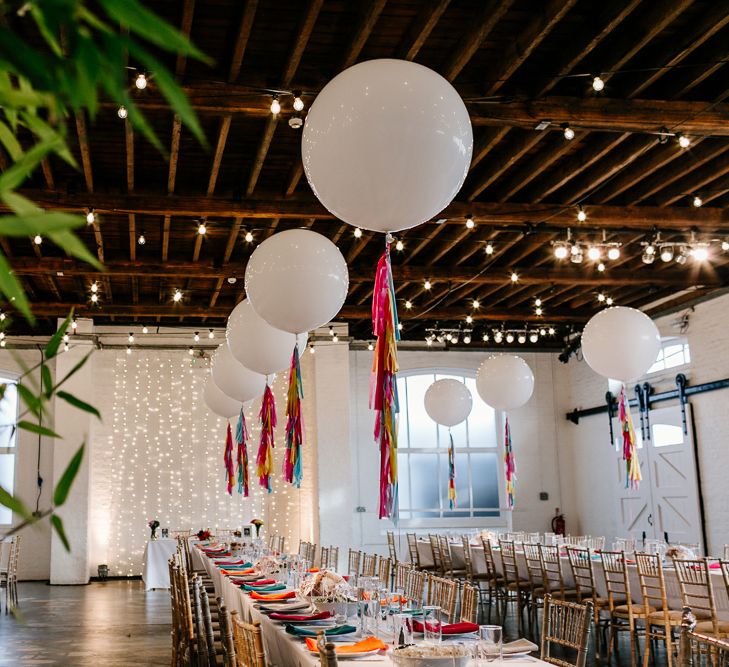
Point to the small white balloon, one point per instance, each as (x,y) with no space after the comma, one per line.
(448,402)
(387,144)
(233,378)
(620,343)
(218,402)
(256,344)
(297,280)
(505,381)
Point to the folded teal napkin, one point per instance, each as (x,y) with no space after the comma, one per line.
(330,632)
(264,589)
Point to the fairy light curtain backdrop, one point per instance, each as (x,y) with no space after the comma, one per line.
(158,454)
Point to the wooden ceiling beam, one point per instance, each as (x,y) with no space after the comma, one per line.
(420,29)
(695,181)
(363,30)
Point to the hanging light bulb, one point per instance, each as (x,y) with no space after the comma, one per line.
(275,105)
(38,239)
(408,304)
(145,330)
(399,326)
(576,255)
(697,201)
(537,302)
(449,337)
(601,297)
(538,311)
(196,337)
(485,338)
(427,285)
(609,301)
(683,140)
(521,339)
(399,246)
(131,337)
(581,215)
(312,349)
(90,217)
(335,338)
(510,337)
(428,341)
(94,287)
(202,229)
(454,340)
(298,102)
(724,247)
(3,316)
(550,331)
(701,252)
(648,257)
(560,250)
(533,337)
(94,298)
(498,337)
(211,334)
(601,267)
(141,81)
(476,304)
(65,337)
(598,84)
(594,253)
(469,319)
(489,249)
(331,330)
(370,347)
(177,296)
(249,237)
(568,132)
(129,350)
(74,323)
(514,277)
(467,339)
(470,224)
(357,233)
(613,252)
(666,253)
(542,332)
(141,240)
(191,350)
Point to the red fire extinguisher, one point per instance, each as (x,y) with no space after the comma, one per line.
(558,524)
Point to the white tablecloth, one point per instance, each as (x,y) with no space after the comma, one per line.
(283,650)
(156,572)
(673,591)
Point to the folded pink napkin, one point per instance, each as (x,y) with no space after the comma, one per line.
(322,615)
(451,629)
(262,582)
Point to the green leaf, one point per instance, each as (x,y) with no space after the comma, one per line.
(37,428)
(60,493)
(57,523)
(40,20)
(73,245)
(139,19)
(47,133)
(78,403)
(14,175)
(14,504)
(55,342)
(12,289)
(31,401)
(38,223)
(79,365)
(12,145)
(46,380)
(19,204)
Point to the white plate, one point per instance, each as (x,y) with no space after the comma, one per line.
(352,656)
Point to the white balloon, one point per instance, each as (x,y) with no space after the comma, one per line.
(448,402)
(218,402)
(387,144)
(297,280)
(256,344)
(620,343)
(505,381)
(233,378)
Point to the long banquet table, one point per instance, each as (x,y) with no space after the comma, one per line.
(673,592)
(283,650)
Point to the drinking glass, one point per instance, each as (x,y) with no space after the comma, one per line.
(402,625)
(368,612)
(432,626)
(490,643)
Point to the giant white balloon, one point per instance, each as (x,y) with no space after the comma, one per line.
(233,378)
(448,402)
(297,280)
(620,343)
(387,144)
(505,381)
(256,344)
(218,402)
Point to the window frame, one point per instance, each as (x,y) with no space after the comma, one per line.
(503,519)
(10,377)
(667,341)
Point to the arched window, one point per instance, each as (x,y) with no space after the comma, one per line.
(423,457)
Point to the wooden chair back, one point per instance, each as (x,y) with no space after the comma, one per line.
(248,643)
(469,603)
(699,650)
(488,554)
(415,585)
(534,565)
(467,557)
(353,562)
(435,549)
(446,557)
(697,591)
(652,583)
(401,575)
(369,565)
(413,549)
(226,635)
(207,620)
(391,546)
(552,569)
(617,580)
(509,565)
(581,565)
(567,625)
(444,593)
(324,558)
(384,571)
(303,549)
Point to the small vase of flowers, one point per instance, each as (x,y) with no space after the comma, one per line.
(153,525)
(257,523)
(203,535)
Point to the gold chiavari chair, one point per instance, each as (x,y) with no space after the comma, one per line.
(333,558)
(584,577)
(311,553)
(324,558)
(697,649)
(391,546)
(435,549)
(369,565)
(384,571)
(624,613)
(443,593)
(354,560)
(401,575)
(415,585)
(567,625)
(553,574)
(303,549)
(446,557)
(516,588)
(536,581)
(658,613)
(697,593)
(413,549)
(226,635)
(469,603)
(248,642)
(494,580)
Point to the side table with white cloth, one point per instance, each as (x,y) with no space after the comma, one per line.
(156,573)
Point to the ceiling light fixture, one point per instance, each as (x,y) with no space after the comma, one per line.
(683,140)
(489,249)
(177,296)
(470,224)
(581,215)
(202,229)
(298,102)
(597,84)
(357,233)
(568,132)
(697,201)
(141,81)
(427,284)
(122,112)
(249,237)
(141,240)
(399,246)
(275,105)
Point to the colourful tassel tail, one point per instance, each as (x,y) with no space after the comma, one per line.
(228,460)
(630,455)
(294,424)
(509,466)
(451,473)
(383,386)
(264,460)
(241,437)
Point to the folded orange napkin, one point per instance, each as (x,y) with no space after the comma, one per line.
(238,573)
(273,596)
(313,570)
(365,646)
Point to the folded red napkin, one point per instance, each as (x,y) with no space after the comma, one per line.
(273,596)
(261,582)
(228,562)
(451,629)
(322,615)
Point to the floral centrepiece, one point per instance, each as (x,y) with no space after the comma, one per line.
(257,523)
(326,586)
(153,525)
(203,535)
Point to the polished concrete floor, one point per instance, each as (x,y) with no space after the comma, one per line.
(106,624)
(118,623)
